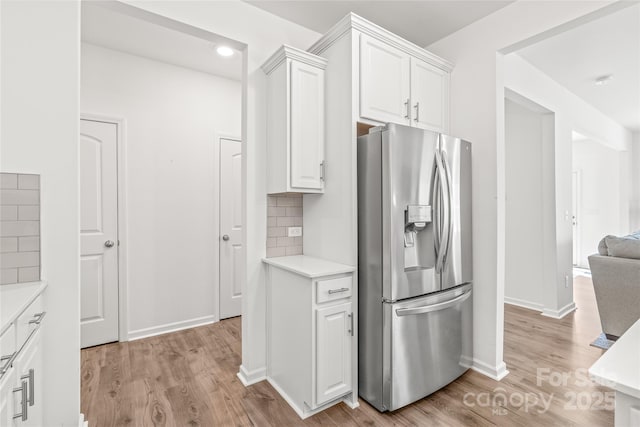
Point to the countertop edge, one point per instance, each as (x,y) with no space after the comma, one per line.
(24,303)
(339,268)
(606,370)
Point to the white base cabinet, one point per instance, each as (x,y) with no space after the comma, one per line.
(21,397)
(310,338)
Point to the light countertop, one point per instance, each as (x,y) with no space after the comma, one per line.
(619,367)
(14,299)
(308,266)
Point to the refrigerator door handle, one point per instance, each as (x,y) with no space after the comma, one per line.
(444,210)
(433,307)
(449,196)
(436,206)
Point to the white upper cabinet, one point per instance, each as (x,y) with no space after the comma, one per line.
(399,87)
(384,82)
(295,122)
(429,96)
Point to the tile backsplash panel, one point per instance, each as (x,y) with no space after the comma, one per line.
(283,211)
(19,228)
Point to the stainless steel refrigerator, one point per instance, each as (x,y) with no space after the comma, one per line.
(414,263)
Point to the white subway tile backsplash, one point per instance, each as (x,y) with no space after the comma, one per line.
(294,211)
(28,244)
(289,221)
(276,231)
(8,213)
(8,276)
(28,182)
(8,244)
(29,213)
(283,211)
(289,201)
(293,250)
(274,252)
(28,274)
(275,211)
(19,197)
(19,228)
(8,180)
(19,259)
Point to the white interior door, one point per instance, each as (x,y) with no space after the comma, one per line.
(231,226)
(98,232)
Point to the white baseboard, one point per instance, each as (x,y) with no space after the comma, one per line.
(170,327)
(559,314)
(248,378)
(300,411)
(351,403)
(494,372)
(523,303)
(82,422)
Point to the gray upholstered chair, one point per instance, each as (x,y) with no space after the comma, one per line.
(616,282)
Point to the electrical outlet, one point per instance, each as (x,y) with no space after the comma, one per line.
(294,231)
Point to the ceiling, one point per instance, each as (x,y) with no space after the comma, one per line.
(421,22)
(115,30)
(607,46)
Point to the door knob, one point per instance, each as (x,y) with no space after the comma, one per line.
(109,243)
(225,237)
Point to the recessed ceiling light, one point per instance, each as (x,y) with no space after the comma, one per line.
(603,80)
(224,51)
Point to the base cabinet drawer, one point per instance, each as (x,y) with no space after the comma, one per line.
(333,289)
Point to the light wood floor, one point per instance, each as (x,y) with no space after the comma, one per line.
(188,378)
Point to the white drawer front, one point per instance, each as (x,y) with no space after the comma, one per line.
(25,324)
(333,289)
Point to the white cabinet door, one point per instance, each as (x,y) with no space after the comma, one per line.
(384,82)
(307,126)
(333,352)
(7,384)
(29,359)
(429,96)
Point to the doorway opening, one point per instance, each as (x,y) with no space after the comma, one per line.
(165,80)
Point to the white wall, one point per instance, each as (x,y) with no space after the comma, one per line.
(262,33)
(173,116)
(601,196)
(634,204)
(524,274)
(40,57)
(477,114)
(571,114)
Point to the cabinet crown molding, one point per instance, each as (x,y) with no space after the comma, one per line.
(355,22)
(292,53)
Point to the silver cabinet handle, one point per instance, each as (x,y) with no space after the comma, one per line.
(351,317)
(32,384)
(225,237)
(109,243)
(336,291)
(406,108)
(9,358)
(24,405)
(417,107)
(37,318)
(322,170)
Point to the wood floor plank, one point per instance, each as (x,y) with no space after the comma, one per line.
(188,378)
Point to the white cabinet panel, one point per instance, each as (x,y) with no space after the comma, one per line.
(429,96)
(7,384)
(384,82)
(307,126)
(333,352)
(295,121)
(28,366)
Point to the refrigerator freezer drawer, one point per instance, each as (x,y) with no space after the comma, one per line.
(428,344)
